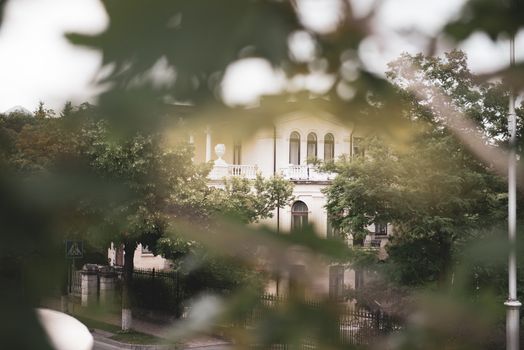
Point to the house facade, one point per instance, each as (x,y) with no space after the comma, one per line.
(287,148)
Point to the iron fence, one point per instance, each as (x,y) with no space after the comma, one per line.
(166,292)
(157,290)
(75,287)
(356,325)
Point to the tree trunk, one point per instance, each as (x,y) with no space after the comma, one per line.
(129,253)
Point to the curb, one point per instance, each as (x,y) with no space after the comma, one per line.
(102,338)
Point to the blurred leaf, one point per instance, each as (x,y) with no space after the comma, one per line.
(2,6)
(495,18)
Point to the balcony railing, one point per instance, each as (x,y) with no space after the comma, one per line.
(305,173)
(292,172)
(221,171)
(247,171)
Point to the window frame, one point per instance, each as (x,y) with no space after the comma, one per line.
(329,144)
(312,140)
(381,229)
(301,215)
(294,139)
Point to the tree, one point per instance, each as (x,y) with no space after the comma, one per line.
(220,35)
(432,189)
(129,186)
(148,183)
(250,201)
(68,110)
(156,183)
(42,112)
(241,200)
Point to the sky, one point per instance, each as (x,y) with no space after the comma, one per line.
(37,63)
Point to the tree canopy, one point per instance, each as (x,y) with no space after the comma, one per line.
(194,42)
(431,188)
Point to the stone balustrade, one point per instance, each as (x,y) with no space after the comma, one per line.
(222,170)
(307,172)
(247,171)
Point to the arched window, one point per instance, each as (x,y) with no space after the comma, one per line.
(299,213)
(294,148)
(311,145)
(329,147)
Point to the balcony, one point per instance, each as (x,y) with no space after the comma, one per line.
(305,173)
(221,171)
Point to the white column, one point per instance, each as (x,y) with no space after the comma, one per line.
(320,148)
(208,144)
(191,139)
(303,150)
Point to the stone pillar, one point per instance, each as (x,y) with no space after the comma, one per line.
(107,285)
(303,150)
(320,149)
(208,144)
(89,284)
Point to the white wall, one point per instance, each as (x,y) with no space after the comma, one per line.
(148,260)
(305,124)
(142,260)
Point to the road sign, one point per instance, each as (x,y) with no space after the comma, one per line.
(74,249)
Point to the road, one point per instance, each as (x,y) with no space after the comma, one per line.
(102,346)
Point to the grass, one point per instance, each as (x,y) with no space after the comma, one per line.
(133,337)
(130,337)
(96,324)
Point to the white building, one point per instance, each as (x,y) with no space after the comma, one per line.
(284,148)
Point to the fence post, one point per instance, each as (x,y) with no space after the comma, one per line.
(107,285)
(89,284)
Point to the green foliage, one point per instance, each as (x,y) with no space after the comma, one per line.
(42,197)
(249,201)
(431,189)
(483,102)
(68,110)
(241,200)
(221,275)
(170,35)
(42,112)
(495,18)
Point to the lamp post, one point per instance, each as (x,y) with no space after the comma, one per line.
(512,304)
